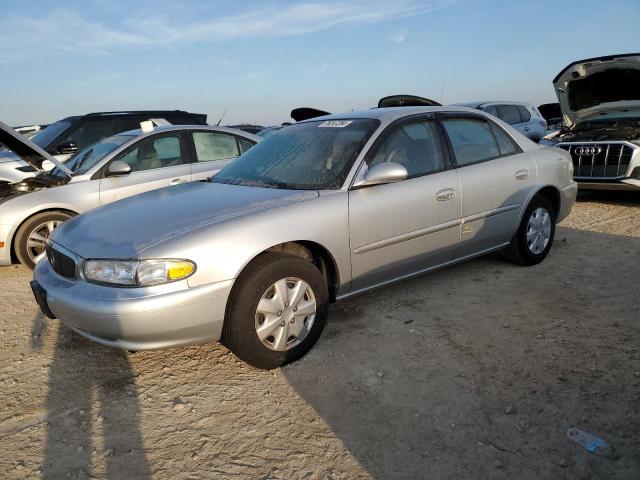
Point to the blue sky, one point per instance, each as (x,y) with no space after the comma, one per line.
(259,59)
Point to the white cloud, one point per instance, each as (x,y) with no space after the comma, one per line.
(399,37)
(71,33)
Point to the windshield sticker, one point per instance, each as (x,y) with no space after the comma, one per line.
(335,123)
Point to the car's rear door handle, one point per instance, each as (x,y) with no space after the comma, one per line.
(445,194)
(522,174)
(177,181)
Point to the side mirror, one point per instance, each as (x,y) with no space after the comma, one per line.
(381,173)
(67,148)
(118,169)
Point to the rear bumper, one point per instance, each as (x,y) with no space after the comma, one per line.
(567,199)
(136,319)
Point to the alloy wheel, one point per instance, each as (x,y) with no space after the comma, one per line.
(37,239)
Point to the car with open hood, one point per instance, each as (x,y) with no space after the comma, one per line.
(600,103)
(113,168)
(65,137)
(321,210)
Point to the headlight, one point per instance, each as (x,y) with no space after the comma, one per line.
(137,273)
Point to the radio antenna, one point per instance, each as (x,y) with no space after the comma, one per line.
(223,114)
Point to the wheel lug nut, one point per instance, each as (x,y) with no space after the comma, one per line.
(293,320)
(295,309)
(282,324)
(280,313)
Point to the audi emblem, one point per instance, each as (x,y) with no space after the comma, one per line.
(588,151)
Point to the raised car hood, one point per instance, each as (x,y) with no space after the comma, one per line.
(588,88)
(306,113)
(26,149)
(123,228)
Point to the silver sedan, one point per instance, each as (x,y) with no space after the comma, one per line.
(319,211)
(111,169)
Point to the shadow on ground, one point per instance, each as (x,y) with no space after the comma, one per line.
(80,373)
(477,371)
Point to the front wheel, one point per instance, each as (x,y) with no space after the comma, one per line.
(32,236)
(277,311)
(532,242)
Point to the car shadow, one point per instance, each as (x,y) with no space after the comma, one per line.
(478,370)
(81,377)
(611,197)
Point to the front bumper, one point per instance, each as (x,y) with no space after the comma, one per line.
(136,319)
(5,250)
(629,184)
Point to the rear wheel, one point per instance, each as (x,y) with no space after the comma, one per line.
(532,242)
(277,311)
(31,237)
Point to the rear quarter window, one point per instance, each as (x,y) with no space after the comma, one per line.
(525,115)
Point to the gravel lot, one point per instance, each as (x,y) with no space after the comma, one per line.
(472,372)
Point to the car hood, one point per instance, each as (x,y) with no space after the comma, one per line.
(594,87)
(124,228)
(26,149)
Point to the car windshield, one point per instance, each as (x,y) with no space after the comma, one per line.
(313,155)
(47,135)
(82,161)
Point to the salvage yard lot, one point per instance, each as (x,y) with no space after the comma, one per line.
(476,371)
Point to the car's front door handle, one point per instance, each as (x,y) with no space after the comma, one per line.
(526,129)
(177,181)
(445,194)
(522,174)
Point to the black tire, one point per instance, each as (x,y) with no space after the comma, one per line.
(518,250)
(23,251)
(239,330)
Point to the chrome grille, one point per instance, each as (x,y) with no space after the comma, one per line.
(599,160)
(61,263)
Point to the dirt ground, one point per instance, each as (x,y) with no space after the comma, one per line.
(473,372)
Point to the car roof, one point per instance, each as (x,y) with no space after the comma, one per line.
(492,102)
(390,114)
(168,128)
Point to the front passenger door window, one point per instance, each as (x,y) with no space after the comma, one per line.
(155,162)
(416,146)
(155,152)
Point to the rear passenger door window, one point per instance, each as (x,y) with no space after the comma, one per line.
(211,146)
(471,139)
(415,145)
(509,113)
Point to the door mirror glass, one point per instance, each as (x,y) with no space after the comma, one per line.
(118,169)
(381,173)
(67,148)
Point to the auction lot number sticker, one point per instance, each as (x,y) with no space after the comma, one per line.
(335,123)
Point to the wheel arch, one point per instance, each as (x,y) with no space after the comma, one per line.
(29,217)
(553,194)
(312,251)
